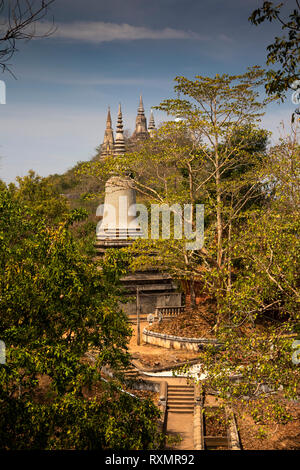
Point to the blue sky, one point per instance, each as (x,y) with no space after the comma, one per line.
(106,52)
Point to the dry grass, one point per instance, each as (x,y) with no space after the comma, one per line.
(196,323)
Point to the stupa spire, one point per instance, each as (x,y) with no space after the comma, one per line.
(141,131)
(119,148)
(141,110)
(151,126)
(119,221)
(108,119)
(107,147)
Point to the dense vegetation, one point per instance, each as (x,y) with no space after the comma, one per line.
(217,155)
(55,308)
(60,316)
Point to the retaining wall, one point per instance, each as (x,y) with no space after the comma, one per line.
(175,342)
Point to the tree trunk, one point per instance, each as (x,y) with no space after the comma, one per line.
(192,293)
(229,260)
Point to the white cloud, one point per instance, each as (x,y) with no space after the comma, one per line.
(99,31)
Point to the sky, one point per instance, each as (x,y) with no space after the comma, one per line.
(106,52)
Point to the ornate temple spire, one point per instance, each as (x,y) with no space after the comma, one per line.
(141,131)
(107,147)
(119,148)
(108,119)
(151,126)
(141,110)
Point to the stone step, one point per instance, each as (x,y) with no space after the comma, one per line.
(179,401)
(181,390)
(181,404)
(181,387)
(181,397)
(181,409)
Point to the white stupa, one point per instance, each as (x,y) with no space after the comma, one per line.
(119,225)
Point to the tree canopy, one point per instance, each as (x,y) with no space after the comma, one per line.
(217,155)
(56,311)
(284,51)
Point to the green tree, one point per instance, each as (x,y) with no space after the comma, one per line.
(61,321)
(285,51)
(263,318)
(40,196)
(209,157)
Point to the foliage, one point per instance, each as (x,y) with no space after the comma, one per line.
(113,421)
(56,309)
(39,194)
(115,264)
(80,192)
(217,155)
(284,51)
(261,311)
(212,155)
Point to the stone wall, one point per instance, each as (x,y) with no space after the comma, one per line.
(175,342)
(149,302)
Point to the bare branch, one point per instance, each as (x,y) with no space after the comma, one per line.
(20,25)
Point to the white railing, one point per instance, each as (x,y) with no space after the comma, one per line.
(167,312)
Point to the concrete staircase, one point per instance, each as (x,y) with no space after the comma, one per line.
(180,399)
(131,373)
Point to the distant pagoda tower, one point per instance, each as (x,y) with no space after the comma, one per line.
(107,147)
(119,148)
(141,131)
(151,126)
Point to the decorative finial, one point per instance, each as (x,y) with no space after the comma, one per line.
(119,148)
(108,119)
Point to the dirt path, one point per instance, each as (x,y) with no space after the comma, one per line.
(154,356)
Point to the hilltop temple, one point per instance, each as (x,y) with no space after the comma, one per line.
(119,226)
(111,146)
